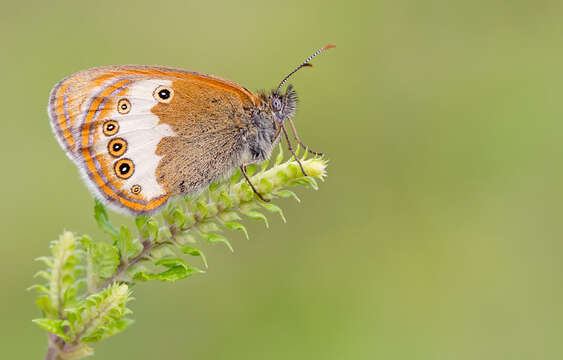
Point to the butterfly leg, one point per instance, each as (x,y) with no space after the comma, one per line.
(294,131)
(243,170)
(291,150)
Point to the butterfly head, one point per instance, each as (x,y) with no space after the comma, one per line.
(283,105)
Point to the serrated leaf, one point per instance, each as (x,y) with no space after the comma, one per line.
(40,288)
(142,266)
(164,234)
(246,192)
(179,218)
(233,225)
(307,181)
(147,227)
(229,216)
(173,273)
(202,208)
(152,228)
(128,247)
(274,209)
(256,215)
(177,273)
(265,185)
(114,327)
(225,199)
(169,263)
(214,186)
(235,177)
(54,326)
(287,194)
(163,251)
(74,316)
(216,238)
(141,222)
(250,170)
(190,250)
(102,218)
(184,237)
(48,261)
(208,226)
(43,275)
(104,258)
(45,304)
(264,165)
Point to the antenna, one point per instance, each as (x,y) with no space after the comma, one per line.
(305,63)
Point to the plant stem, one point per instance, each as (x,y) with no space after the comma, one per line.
(53,349)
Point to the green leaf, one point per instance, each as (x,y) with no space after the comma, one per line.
(225,199)
(235,177)
(45,275)
(163,251)
(265,185)
(250,170)
(214,186)
(112,328)
(103,221)
(208,226)
(47,260)
(40,288)
(169,263)
(287,194)
(307,181)
(177,269)
(190,250)
(256,215)
(185,237)
(229,216)
(54,326)
(233,225)
(164,234)
(273,208)
(216,238)
(179,217)
(177,273)
(279,158)
(202,208)
(141,222)
(128,247)
(45,304)
(147,227)
(264,165)
(104,258)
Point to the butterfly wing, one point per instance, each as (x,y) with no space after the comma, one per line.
(142,134)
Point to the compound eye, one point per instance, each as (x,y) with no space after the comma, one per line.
(276,104)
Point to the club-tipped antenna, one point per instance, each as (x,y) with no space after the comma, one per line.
(305,63)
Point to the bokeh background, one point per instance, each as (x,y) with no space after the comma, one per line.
(437,235)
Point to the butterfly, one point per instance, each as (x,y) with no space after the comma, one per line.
(142,134)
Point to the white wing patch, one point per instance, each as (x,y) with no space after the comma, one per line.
(142,131)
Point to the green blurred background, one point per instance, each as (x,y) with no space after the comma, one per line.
(437,234)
